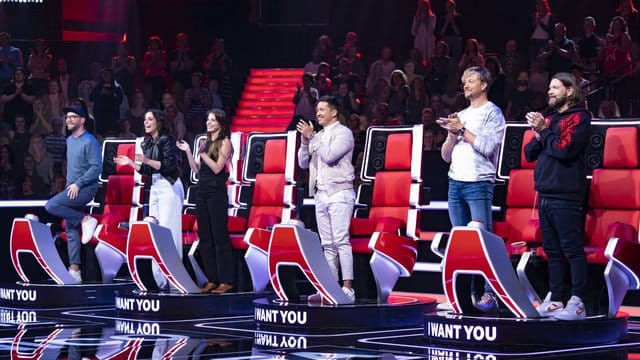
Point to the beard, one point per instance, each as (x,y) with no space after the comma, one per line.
(557,102)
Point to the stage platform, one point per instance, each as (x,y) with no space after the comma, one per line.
(98,332)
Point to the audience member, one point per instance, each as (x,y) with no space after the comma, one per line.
(107,97)
(68,83)
(40,124)
(10,59)
(519,103)
(7,173)
(423,26)
(559,51)
(198,102)
(608,109)
(617,60)
(631,16)
(54,100)
(589,44)
(471,56)
(440,69)
(498,88)
(311,67)
(181,60)
(451,29)
(154,64)
(55,144)
(418,100)
(398,93)
(39,66)
(18,98)
(137,108)
(542,30)
(124,69)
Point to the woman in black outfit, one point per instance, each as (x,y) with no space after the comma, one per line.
(212,200)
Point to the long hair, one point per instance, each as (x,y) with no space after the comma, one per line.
(629,3)
(569,81)
(224,132)
(621,20)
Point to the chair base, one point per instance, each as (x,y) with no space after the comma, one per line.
(399,312)
(49,295)
(134,304)
(504,331)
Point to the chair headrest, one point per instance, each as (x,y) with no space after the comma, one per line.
(621,148)
(128,150)
(526,138)
(275,156)
(398,153)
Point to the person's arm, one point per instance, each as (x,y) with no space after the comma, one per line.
(571,141)
(488,140)
(219,164)
(447,147)
(184,146)
(340,145)
(93,155)
(532,150)
(414,26)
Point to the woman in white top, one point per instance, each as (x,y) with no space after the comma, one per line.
(424,24)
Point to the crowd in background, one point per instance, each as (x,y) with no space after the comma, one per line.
(415,86)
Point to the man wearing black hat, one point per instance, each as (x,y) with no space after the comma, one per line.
(84,164)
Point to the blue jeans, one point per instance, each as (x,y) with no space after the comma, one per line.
(471,201)
(71,211)
(561,223)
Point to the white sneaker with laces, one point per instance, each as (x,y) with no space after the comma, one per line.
(351,294)
(573,311)
(76,275)
(548,307)
(89,224)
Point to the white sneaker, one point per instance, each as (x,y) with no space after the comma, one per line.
(573,311)
(351,294)
(76,275)
(314,298)
(548,307)
(444,306)
(89,224)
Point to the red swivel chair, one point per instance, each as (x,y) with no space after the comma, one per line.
(390,231)
(614,196)
(122,205)
(520,226)
(272,202)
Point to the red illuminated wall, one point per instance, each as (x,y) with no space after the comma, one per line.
(94,20)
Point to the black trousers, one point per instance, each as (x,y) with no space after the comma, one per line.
(215,245)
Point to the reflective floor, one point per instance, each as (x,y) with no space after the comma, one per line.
(97,333)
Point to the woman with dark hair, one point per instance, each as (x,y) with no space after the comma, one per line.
(212,199)
(159,161)
(471,56)
(617,60)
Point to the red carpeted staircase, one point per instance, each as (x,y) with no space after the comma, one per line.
(266,102)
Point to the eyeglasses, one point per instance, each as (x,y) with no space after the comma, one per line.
(72,116)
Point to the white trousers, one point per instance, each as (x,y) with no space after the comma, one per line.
(165,204)
(333,215)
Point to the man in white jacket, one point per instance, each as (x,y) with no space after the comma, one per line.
(327,154)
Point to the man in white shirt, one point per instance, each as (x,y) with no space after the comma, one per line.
(472,147)
(327,155)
